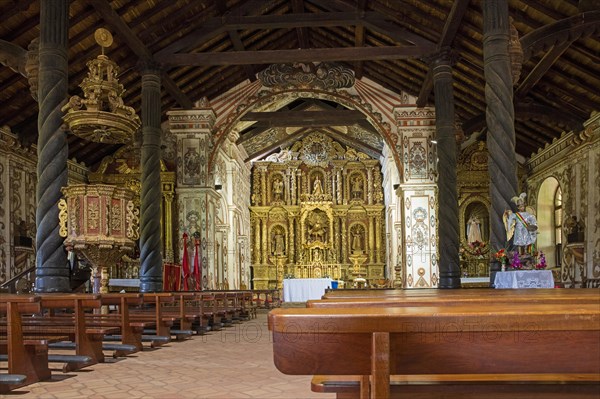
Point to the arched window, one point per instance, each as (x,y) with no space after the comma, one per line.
(549,218)
(558,221)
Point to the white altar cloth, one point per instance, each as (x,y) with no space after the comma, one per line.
(303,289)
(524,279)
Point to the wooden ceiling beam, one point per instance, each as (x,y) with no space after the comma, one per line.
(352,142)
(113,19)
(540,69)
(215,26)
(305,118)
(299,135)
(300,55)
(301,32)
(359,38)
(449,32)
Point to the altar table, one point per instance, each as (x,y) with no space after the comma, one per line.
(524,279)
(303,289)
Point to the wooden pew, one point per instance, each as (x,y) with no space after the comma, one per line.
(153,310)
(66,316)
(484,343)
(27,358)
(461,297)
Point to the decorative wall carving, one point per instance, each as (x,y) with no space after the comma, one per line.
(324,75)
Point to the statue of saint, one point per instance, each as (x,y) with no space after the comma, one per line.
(474,230)
(277,189)
(317,186)
(521,226)
(357,187)
(278,244)
(356,241)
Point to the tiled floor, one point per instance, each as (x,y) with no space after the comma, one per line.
(236,362)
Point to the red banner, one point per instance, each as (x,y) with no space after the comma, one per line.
(171,277)
(197,274)
(185,264)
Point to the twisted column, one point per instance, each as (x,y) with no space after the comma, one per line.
(52,269)
(502,163)
(151,196)
(446,151)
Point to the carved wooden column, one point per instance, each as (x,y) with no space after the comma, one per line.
(52,271)
(263,184)
(256,229)
(291,248)
(340,187)
(371,239)
(344,245)
(151,197)
(448,198)
(264,242)
(378,241)
(369,187)
(168,228)
(500,116)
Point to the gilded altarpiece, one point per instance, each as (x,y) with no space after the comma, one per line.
(315,205)
(474,204)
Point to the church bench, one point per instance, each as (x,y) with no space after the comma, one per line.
(64,314)
(479,339)
(25,357)
(248,304)
(153,310)
(464,297)
(474,386)
(185,309)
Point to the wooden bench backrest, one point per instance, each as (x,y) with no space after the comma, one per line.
(486,338)
(450,298)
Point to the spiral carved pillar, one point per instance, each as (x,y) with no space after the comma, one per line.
(52,271)
(151,195)
(446,151)
(502,163)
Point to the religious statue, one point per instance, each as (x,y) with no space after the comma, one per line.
(356,241)
(277,189)
(317,186)
(317,228)
(521,226)
(357,187)
(474,230)
(278,244)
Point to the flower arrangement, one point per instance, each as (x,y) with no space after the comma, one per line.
(477,248)
(502,256)
(542,262)
(515,261)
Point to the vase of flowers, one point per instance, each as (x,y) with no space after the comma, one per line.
(502,257)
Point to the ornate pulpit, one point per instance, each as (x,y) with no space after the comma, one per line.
(100,223)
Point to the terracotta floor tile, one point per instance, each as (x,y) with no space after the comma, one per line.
(234,363)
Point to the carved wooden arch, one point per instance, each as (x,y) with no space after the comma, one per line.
(266,97)
(563,31)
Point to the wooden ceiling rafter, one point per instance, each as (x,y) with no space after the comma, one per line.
(348,141)
(285,142)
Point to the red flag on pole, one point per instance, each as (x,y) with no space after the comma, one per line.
(197,275)
(184,263)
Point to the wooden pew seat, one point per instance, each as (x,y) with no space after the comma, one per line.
(469,340)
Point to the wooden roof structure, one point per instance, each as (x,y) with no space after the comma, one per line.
(206,47)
